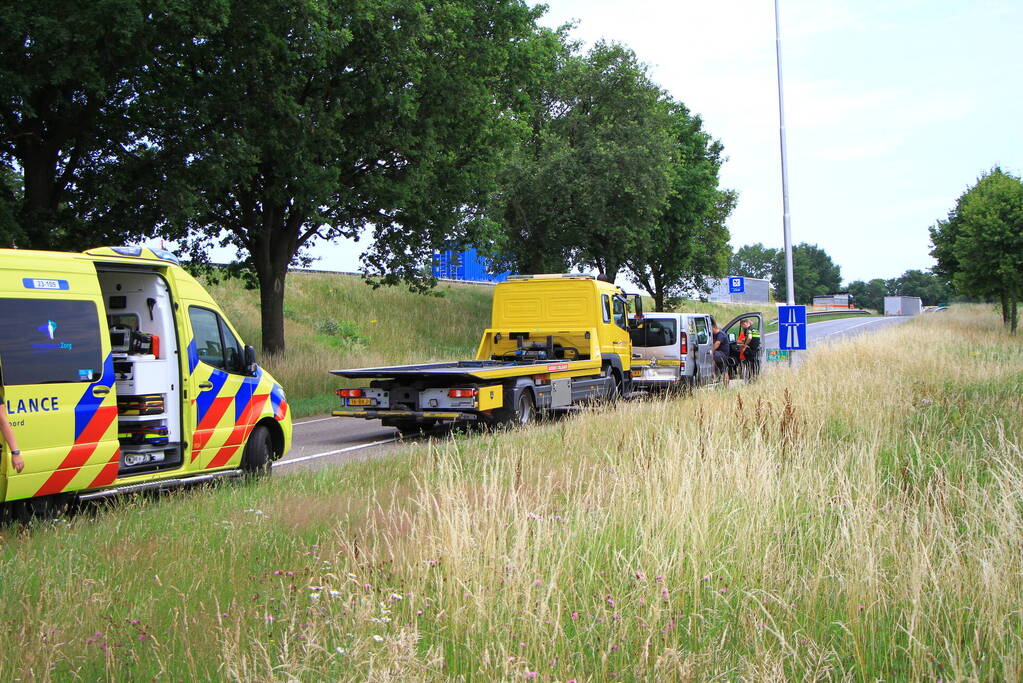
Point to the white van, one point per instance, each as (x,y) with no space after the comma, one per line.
(676,350)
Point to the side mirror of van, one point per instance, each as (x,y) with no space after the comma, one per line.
(731,337)
(250,360)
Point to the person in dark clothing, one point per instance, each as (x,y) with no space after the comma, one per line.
(722,349)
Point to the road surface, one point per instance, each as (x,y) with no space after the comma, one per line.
(321,441)
(831,330)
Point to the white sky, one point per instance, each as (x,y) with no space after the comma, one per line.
(893,108)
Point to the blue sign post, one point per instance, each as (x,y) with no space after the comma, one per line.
(792,328)
(736,285)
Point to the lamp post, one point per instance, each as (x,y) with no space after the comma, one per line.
(789,286)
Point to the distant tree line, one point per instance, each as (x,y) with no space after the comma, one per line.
(979,246)
(816,274)
(273,124)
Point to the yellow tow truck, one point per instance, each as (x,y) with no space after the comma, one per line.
(554,341)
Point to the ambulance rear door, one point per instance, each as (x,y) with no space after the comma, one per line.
(58,376)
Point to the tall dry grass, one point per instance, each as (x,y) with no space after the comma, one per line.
(858,519)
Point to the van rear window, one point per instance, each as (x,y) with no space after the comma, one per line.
(45,341)
(655,332)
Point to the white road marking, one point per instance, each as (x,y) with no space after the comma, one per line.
(292,461)
(853,327)
(309,422)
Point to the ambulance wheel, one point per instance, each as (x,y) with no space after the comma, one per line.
(258,452)
(39,508)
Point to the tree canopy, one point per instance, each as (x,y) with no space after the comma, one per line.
(73,79)
(979,248)
(320,119)
(813,273)
(589,182)
(753,260)
(689,242)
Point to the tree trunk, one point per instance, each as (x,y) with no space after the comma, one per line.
(1005,307)
(1015,316)
(271,306)
(41,195)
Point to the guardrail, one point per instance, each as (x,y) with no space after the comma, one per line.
(842,311)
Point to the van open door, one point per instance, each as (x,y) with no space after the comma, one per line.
(750,360)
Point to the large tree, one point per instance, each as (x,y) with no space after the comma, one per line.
(594,174)
(71,77)
(315,119)
(981,244)
(753,260)
(689,242)
(813,273)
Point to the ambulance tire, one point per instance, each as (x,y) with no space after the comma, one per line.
(39,508)
(259,450)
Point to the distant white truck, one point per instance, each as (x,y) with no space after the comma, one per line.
(903,305)
(676,350)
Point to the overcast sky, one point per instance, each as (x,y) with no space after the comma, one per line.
(893,108)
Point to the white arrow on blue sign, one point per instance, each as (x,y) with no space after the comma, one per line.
(736,285)
(792,327)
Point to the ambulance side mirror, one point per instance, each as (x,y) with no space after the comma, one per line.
(250,360)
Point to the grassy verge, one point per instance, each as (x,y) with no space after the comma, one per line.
(337,321)
(861,519)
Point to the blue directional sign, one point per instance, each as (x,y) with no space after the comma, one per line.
(792,327)
(736,285)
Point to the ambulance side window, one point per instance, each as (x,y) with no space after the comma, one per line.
(206,333)
(50,341)
(215,344)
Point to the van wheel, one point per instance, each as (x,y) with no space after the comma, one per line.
(258,452)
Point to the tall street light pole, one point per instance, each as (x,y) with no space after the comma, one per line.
(789,286)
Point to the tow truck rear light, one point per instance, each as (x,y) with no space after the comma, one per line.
(683,343)
(349,393)
(461,393)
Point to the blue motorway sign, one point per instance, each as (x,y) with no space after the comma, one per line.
(792,327)
(736,285)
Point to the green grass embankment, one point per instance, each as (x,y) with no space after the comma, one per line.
(336,321)
(859,519)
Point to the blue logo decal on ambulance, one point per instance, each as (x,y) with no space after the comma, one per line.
(48,329)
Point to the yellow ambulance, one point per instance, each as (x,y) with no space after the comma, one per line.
(120,373)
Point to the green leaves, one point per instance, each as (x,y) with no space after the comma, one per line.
(587,184)
(979,248)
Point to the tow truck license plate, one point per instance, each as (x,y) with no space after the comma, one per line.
(361,401)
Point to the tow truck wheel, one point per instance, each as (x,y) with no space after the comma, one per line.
(614,392)
(258,452)
(524,408)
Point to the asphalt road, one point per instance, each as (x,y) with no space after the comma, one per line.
(322,441)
